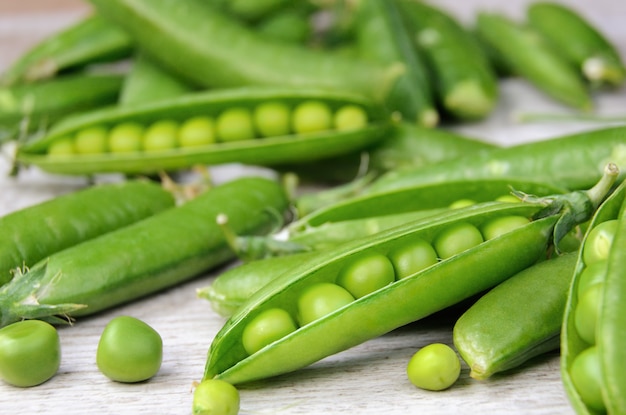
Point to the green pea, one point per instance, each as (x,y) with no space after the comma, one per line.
(311,116)
(586,375)
(126,138)
(461,203)
(434,367)
(457,239)
(266,328)
(366,275)
(234,124)
(508,199)
(161,135)
(499,226)
(412,258)
(350,117)
(587,312)
(321,299)
(590,275)
(272,119)
(30,353)
(62,147)
(197,131)
(215,397)
(91,140)
(598,241)
(129,350)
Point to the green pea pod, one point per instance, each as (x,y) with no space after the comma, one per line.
(138,259)
(572,161)
(91,40)
(600,373)
(29,235)
(269,150)
(472,269)
(517,320)
(466,84)
(26,108)
(578,40)
(531,57)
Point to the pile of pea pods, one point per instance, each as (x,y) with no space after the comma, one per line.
(356,97)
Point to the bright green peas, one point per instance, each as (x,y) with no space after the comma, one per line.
(350,117)
(266,328)
(434,367)
(590,275)
(272,119)
(215,397)
(499,226)
(366,275)
(508,199)
(587,312)
(92,140)
(461,203)
(456,239)
(61,147)
(126,138)
(234,124)
(161,135)
(587,378)
(598,242)
(311,116)
(30,353)
(197,131)
(129,350)
(412,258)
(321,299)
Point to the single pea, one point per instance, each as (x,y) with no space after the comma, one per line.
(413,257)
(126,138)
(129,350)
(92,140)
(197,131)
(461,203)
(366,275)
(271,325)
(234,124)
(30,353)
(499,226)
(587,312)
(161,135)
(590,275)
(456,239)
(321,299)
(272,119)
(349,117)
(62,147)
(586,375)
(508,199)
(311,116)
(215,397)
(434,367)
(598,241)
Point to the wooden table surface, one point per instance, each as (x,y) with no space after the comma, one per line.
(368,379)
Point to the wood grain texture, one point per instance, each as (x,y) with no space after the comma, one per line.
(368,379)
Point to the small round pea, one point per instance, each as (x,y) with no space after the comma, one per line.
(197,131)
(215,397)
(269,326)
(412,258)
(311,116)
(434,367)
(129,350)
(598,241)
(272,119)
(349,117)
(30,353)
(92,140)
(321,299)
(499,226)
(126,137)
(586,376)
(461,203)
(61,147)
(590,275)
(234,124)
(366,275)
(161,135)
(456,239)
(587,312)
(508,199)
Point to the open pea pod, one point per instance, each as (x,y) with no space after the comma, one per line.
(593,345)
(122,142)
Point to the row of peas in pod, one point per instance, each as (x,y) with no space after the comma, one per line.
(268,119)
(365,274)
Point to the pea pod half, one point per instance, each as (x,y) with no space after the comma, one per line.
(211,127)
